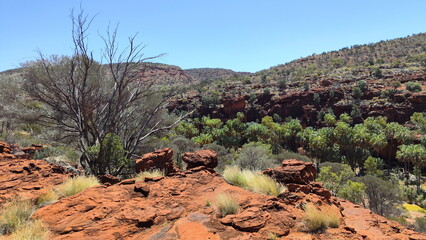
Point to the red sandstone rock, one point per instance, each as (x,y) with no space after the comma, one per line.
(108,179)
(5,148)
(160,159)
(27,178)
(234,105)
(175,207)
(207,158)
(293,171)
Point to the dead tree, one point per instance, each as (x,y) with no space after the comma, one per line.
(88,100)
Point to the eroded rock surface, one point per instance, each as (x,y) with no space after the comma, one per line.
(27,178)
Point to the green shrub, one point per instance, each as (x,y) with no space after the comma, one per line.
(110,155)
(413,87)
(352,191)
(75,185)
(357,93)
(382,196)
(255,156)
(285,154)
(15,214)
(420,224)
(226,204)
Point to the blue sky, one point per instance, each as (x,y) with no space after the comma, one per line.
(243,35)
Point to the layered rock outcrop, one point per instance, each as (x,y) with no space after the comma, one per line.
(183,206)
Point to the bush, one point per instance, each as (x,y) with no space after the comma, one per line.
(226,204)
(255,156)
(15,214)
(413,87)
(383,197)
(150,173)
(420,224)
(357,93)
(316,219)
(110,155)
(285,154)
(252,181)
(34,230)
(352,191)
(75,185)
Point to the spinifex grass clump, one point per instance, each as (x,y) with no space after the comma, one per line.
(33,230)
(15,214)
(316,219)
(252,181)
(49,196)
(151,173)
(226,204)
(75,185)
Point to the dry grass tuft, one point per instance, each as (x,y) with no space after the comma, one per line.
(33,230)
(150,173)
(75,185)
(14,214)
(319,219)
(226,204)
(48,197)
(252,181)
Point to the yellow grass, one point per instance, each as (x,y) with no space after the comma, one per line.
(252,181)
(34,230)
(75,185)
(50,196)
(316,219)
(14,214)
(150,173)
(226,204)
(414,208)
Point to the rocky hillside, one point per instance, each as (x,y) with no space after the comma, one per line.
(395,51)
(209,74)
(182,205)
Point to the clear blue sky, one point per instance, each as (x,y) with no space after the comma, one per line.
(243,35)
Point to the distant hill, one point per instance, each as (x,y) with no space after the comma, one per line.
(167,73)
(392,52)
(208,74)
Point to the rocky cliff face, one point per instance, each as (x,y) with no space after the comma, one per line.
(182,206)
(324,95)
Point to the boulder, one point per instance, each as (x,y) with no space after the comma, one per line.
(108,179)
(293,171)
(31,151)
(160,159)
(206,157)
